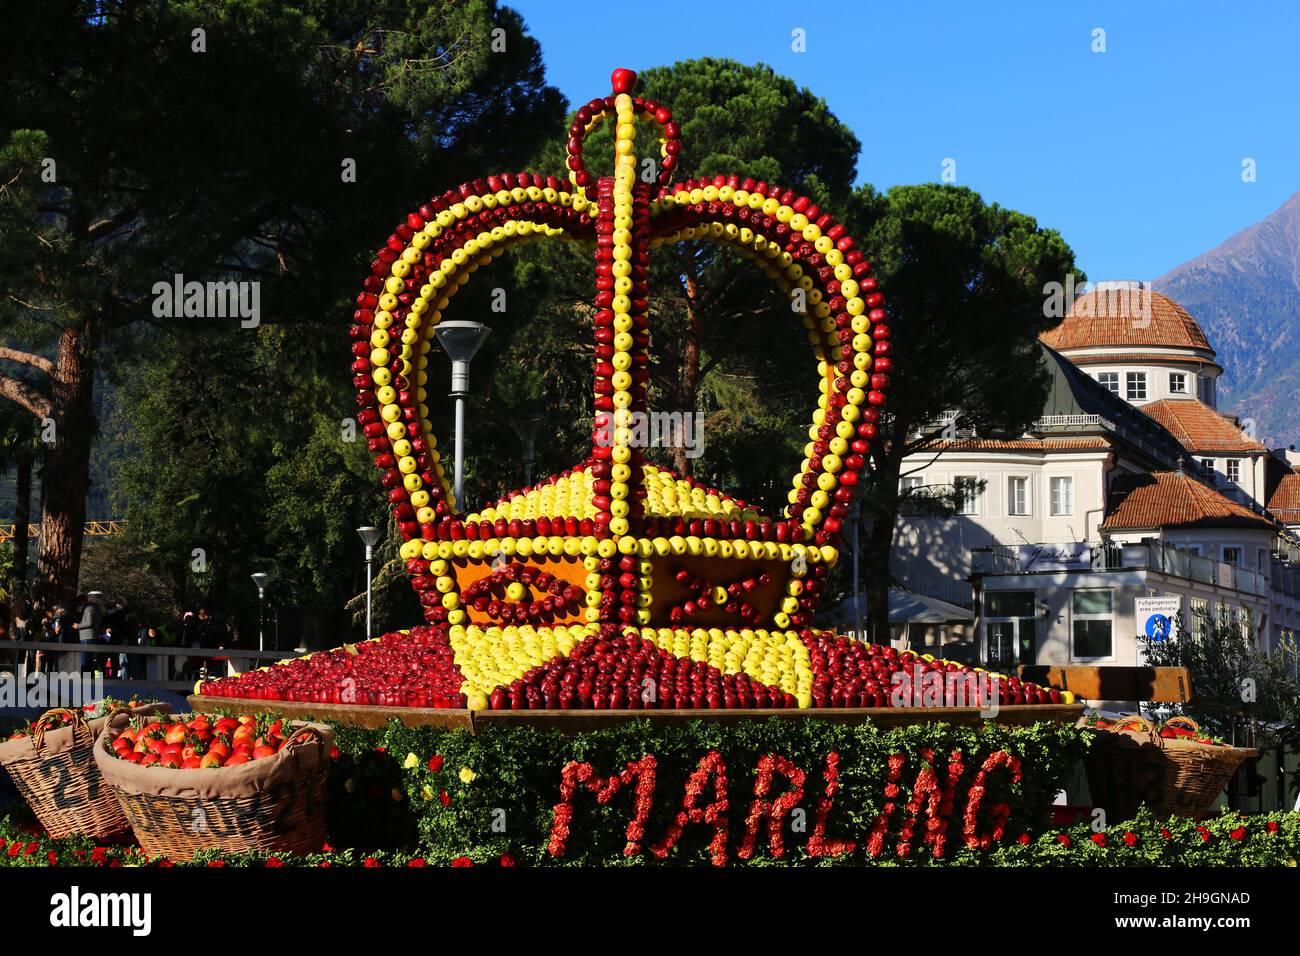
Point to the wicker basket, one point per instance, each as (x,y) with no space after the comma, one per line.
(275,804)
(55,772)
(1131,767)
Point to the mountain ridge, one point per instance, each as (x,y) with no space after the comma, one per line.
(1245,293)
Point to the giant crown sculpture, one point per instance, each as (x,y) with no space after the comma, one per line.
(616,542)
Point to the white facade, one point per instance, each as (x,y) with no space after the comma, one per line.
(1030,552)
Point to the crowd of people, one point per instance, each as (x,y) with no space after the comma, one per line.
(106,630)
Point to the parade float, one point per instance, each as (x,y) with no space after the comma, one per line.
(619,665)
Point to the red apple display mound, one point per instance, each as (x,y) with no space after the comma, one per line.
(604,667)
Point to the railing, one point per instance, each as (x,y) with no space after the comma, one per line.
(1149,555)
(160,670)
(1071,421)
(90,528)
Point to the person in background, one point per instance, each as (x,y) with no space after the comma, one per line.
(144,637)
(87,628)
(114,662)
(22,631)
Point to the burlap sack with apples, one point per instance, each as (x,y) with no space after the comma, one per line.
(61,739)
(295,759)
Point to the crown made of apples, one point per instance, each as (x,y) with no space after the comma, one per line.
(616,539)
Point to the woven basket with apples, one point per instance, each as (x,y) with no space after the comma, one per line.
(1173,767)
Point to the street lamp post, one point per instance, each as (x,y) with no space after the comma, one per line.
(526,424)
(461,340)
(260,578)
(369,537)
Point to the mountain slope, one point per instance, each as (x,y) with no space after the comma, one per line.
(1246,295)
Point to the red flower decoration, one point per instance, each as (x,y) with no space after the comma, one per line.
(1271,826)
(507,859)
(446,800)
(1099,839)
(325,863)
(1063,839)
(165,862)
(15,849)
(418,861)
(1023,839)
(334,753)
(216,863)
(435,762)
(53,858)
(98,855)
(1164,832)
(1130,838)
(1205,834)
(273,861)
(462,861)
(1238,834)
(371,861)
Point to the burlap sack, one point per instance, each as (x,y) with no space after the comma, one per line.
(61,739)
(241,780)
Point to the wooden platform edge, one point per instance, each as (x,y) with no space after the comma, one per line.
(575,721)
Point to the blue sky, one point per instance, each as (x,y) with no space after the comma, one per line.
(1134,154)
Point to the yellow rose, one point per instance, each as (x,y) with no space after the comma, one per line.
(467,775)
(426,792)
(411,762)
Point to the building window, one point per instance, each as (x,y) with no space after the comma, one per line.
(1062,496)
(1092,620)
(1207,468)
(1233,466)
(1009,628)
(967,488)
(1018,496)
(909,490)
(1110,380)
(1135,385)
(1232,556)
(1177,383)
(1200,618)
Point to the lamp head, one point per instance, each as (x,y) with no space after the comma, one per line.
(369,535)
(461,339)
(260,578)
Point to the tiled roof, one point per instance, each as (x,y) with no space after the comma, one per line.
(1169,499)
(1019,444)
(1285,499)
(1120,316)
(1199,427)
(1138,358)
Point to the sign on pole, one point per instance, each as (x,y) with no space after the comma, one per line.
(1157,617)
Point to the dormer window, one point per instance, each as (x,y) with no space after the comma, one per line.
(1135,386)
(1110,380)
(1178,383)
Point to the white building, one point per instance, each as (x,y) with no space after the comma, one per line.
(1131,484)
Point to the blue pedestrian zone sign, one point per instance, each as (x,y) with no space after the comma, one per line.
(1159,627)
(1157,618)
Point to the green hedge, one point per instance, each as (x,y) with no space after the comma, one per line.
(450,798)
